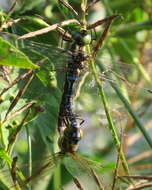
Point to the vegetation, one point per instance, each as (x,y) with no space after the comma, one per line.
(113,95)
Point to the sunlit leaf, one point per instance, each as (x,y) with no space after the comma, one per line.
(11,56)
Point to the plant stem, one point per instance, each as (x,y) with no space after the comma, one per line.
(83,8)
(29,154)
(57,178)
(111,125)
(1,137)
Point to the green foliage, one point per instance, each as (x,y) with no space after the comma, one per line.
(126,49)
(11,56)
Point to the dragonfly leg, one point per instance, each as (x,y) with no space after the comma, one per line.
(93,37)
(65,37)
(82,121)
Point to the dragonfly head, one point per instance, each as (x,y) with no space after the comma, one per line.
(81,37)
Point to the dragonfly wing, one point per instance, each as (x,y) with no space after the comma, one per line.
(41,174)
(123,75)
(38,51)
(81,168)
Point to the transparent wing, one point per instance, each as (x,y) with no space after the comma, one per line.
(78,166)
(128,79)
(84,170)
(38,51)
(120,73)
(41,173)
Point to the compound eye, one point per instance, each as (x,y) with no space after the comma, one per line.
(87,39)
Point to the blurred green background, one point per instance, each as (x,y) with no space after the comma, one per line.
(127,49)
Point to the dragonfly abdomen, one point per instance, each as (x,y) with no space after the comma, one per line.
(68,125)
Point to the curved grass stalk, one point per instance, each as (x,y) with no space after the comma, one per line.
(57,178)
(111,125)
(84,8)
(29,153)
(1,136)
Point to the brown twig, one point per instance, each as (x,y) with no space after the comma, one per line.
(10,23)
(138,177)
(99,22)
(19,95)
(109,21)
(13,172)
(141,186)
(78,184)
(97,179)
(48,29)
(18,129)
(19,111)
(12,7)
(16,81)
(91,4)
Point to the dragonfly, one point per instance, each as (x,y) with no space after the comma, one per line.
(65,140)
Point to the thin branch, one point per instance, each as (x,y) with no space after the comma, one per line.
(78,184)
(48,29)
(19,95)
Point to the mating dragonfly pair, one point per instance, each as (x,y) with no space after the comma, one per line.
(48,57)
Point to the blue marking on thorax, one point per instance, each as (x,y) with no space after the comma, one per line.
(74,124)
(68,105)
(72,78)
(68,95)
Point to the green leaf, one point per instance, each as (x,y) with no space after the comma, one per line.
(11,56)
(5,156)
(133,28)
